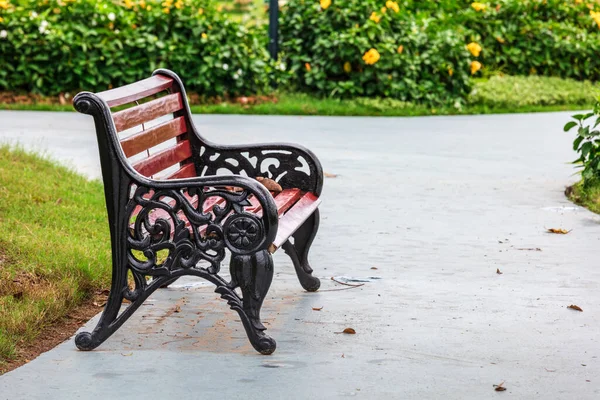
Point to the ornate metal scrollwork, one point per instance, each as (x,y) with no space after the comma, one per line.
(286,165)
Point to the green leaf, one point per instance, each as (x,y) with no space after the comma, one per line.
(577,142)
(569,125)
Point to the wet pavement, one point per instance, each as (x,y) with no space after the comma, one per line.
(433,207)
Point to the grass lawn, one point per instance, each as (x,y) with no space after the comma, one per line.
(54,246)
(588,197)
(498,94)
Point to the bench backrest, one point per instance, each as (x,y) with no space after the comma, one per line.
(153,127)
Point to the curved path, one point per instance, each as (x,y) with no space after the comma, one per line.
(436,205)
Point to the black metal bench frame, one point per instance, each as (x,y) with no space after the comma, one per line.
(197,240)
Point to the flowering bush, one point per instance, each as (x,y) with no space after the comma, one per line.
(544,37)
(374,48)
(52,46)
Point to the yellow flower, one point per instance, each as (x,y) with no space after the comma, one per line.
(371,57)
(393,5)
(450,71)
(111,25)
(179,4)
(149,8)
(400,49)
(142,3)
(56,11)
(595,16)
(479,6)
(128,3)
(204,35)
(474,49)
(307,66)
(374,17)
(4,4)
(347,67)
(475,66)
(383,10)
(166,10)
(200,11)
(499,39)
(325,4)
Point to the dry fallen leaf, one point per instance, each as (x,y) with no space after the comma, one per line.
(328,175)
(343,356)
(317,308)
(373,267)
(559,231)
(574,307)
(127,355)
(498,271)
(177,308)
(500,387)
(349,331)
(270,184)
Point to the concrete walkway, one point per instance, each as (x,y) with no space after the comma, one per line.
(436,205)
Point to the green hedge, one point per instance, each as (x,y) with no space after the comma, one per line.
(372,48)
(53,46)
(544,37)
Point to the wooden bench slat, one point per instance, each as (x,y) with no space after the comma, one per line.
(286,199)
(291,221)
(149,138)
(164,159)
(149,111)
(187,171)
(136,91)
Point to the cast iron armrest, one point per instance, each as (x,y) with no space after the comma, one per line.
(291,165)
(173,197)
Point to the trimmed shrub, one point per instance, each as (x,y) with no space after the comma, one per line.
(53,46)
(544,37)
(373,48)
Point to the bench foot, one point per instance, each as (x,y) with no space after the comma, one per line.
(112,317)
(253,274)
(298,252)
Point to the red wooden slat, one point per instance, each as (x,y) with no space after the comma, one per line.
(291,221)
(286,199)
(149,138)
(136,91)
(164,159)
(187,171)
(137,115)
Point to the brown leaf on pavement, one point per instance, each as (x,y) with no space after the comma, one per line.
(349,331)
(317,308)
(498,271)
(328,175)
(574,307)
(559,231)
(177,308)
(500,387)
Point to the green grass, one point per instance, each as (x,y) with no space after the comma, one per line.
(54,245)
(587,196)
(496,95)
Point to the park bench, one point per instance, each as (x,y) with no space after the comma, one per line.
(177,203)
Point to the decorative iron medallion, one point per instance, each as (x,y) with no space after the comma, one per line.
(243,233)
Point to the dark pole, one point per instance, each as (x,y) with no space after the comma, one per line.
(273,27)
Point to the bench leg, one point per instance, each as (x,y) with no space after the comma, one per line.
(253,275)
(298,252)
(111,320)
